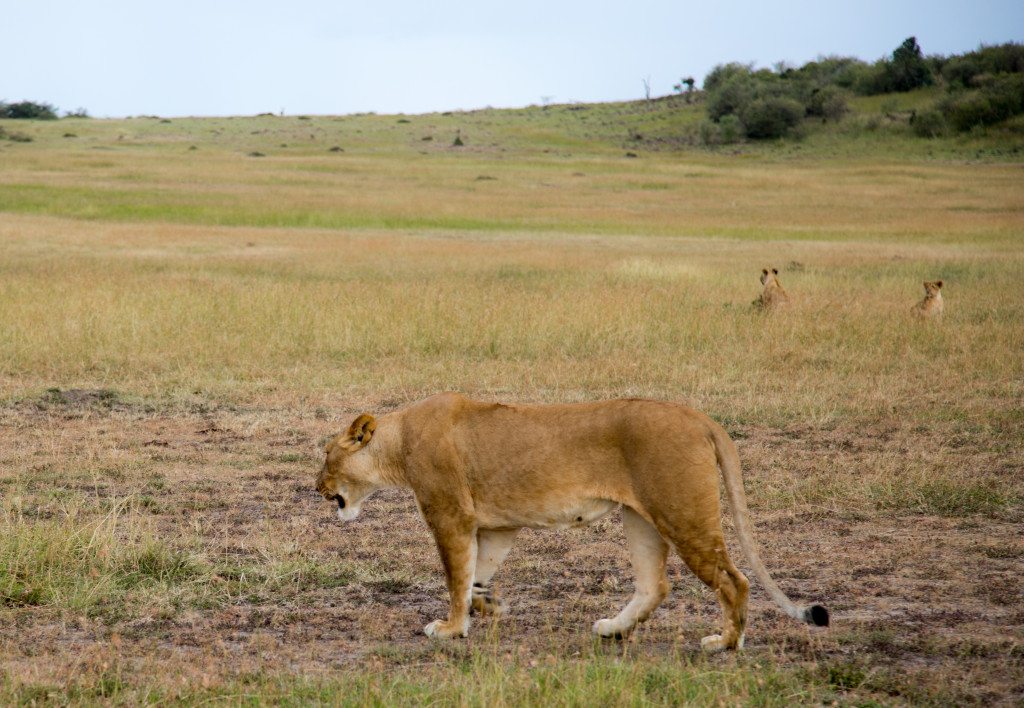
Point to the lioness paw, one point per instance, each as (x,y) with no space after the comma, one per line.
(715,643)
(488,605)
(608,629)
(442,629)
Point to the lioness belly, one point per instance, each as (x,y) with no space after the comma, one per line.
(563,515)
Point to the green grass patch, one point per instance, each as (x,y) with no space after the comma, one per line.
(86,566)
(112,565)
(943,496)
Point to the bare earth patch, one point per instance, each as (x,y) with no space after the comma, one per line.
(926,606)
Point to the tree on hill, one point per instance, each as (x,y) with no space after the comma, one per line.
(905,70)
(908,69)
(28,110)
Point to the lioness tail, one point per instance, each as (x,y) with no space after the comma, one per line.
(729,462)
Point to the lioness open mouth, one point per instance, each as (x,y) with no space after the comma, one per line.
(341,501)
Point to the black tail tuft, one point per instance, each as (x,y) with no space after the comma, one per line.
(816,615)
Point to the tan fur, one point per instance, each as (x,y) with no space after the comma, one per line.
(481,471)
(931,305)
(773,295)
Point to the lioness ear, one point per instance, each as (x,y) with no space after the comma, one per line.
(938,283)
(764,271)
(360,432)
(775,270)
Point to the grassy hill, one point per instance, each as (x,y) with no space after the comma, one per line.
(514,170)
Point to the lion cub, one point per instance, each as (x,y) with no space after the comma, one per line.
(931,305)
(773,295)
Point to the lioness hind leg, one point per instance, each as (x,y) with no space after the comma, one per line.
(705,554)
(492,547)
(648,552)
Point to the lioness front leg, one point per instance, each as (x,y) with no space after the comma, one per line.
(648,551)
(492,547)
(457,546)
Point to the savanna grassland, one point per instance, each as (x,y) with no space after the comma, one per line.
(188,307)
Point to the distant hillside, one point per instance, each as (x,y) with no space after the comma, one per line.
(967,106)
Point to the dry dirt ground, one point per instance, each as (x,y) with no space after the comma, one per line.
(925,607)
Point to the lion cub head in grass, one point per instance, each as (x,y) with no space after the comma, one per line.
(773,295)
(931,305)
(349,475)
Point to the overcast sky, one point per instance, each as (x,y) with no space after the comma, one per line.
(232,57)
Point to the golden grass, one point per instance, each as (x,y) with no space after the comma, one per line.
(162,311)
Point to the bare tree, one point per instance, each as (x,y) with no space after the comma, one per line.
(647,87)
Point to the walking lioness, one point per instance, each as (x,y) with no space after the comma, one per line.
(482,471)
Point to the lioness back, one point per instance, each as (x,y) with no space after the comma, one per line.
(518,462)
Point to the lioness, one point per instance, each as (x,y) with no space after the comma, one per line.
(773,294)
(931,305)
(482,471)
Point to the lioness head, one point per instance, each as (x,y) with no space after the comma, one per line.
(346,477)
(768,276)
(932,287)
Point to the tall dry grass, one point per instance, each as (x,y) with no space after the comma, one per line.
(163,311)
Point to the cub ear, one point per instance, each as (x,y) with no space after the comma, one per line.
(938,283)
(775,270)
(359,433)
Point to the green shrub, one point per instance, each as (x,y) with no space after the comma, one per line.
(771,117)
(829,103)
(967,110)
(929,124)
(726,131)
(999,99)
(731,95)
(1006,95)
(732,129)
(960,71)
(723,72)
(832,71)
(28,110)
(710,133)
(873,80)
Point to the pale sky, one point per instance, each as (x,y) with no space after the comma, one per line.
(229,57)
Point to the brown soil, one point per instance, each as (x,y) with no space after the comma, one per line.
(921,604)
